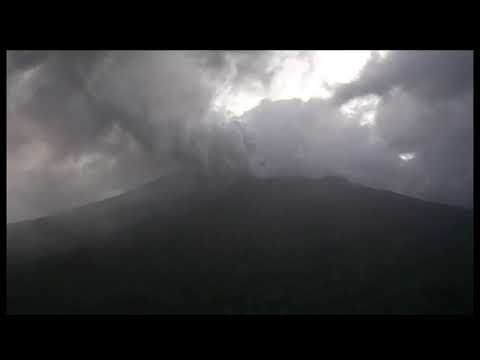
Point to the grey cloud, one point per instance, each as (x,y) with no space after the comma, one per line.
(83,124)
(79,96)
(18,61)
(74,105)
(241,67)
(431,75)
(58,108)
(427,108)
(314,139)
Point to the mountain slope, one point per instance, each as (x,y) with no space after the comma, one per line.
(294,245)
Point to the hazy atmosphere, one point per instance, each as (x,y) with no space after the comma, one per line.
(240,182)
(87,125)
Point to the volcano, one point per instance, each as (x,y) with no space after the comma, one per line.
(187,245)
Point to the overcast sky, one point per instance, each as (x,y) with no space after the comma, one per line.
(85,125)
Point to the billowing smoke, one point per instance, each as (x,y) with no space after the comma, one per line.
(414,134)
(82,125)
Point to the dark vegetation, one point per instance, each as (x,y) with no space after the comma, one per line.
(296,246)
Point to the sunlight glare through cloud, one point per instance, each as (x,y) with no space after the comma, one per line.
(302,75)
(407,156)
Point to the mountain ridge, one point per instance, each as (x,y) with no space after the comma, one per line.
(297,241)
